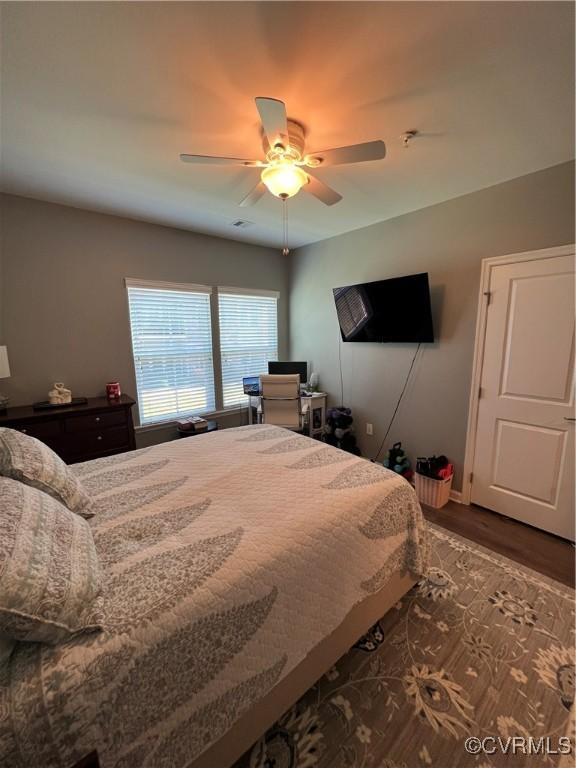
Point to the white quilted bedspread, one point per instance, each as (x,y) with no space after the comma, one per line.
(228,558)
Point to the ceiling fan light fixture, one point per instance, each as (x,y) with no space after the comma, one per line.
(284,179)
(284,145)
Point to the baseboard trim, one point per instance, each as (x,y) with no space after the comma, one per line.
(456,496)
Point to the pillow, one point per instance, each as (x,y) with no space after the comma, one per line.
(50,577)
(26,459)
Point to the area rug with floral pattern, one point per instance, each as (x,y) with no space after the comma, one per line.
(482,647)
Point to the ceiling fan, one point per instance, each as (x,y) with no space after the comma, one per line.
(283,173)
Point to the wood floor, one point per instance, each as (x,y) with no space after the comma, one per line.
(543,552)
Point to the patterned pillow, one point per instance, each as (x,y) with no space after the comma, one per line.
(26,459)
(50,577)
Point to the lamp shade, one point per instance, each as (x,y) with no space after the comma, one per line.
(284,179)
(4,367)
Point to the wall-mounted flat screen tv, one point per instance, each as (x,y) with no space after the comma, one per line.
(395,310)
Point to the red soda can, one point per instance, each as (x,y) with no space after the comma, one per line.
(113,390)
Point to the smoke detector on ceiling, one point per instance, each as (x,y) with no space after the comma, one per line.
(407,138)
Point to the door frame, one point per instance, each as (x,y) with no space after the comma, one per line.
(488,265)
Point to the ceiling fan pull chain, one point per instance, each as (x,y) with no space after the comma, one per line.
(285,249)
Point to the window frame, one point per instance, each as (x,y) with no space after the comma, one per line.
(213,291)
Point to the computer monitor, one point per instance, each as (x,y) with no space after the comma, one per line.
(283,368)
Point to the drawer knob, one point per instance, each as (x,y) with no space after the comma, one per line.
(99,437)
(24,431)
(97,418)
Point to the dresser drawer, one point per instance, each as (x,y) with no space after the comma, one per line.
(40,429)
(95,421)
(96,442)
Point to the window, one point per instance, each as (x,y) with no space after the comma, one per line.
(185,366)
(172,347)
(248,338)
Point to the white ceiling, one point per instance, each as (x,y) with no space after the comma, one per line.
(99,99)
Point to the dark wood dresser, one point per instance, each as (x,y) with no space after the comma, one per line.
(78,432)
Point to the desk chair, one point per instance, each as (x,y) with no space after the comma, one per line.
(281,401)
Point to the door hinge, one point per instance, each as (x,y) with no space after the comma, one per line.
(470,477)
(488,295)
(480,392)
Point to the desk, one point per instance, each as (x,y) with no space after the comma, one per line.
(314,407)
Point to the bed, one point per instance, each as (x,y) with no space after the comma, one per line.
(240,566)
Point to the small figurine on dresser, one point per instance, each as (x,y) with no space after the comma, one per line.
(59,395)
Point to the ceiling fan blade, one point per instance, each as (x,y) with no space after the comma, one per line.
(254,195)
(210,160)
(322,191)
(355,153)
(274,120)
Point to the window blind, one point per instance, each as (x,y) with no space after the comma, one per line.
(248,339)
(172,347)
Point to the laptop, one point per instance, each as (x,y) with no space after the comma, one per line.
(251,385)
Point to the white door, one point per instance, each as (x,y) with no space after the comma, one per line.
(524,454)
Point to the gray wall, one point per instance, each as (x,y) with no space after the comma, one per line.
(63,311)
(64,314)
(1,279)
(448,241)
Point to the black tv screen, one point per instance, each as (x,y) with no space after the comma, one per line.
(395,310)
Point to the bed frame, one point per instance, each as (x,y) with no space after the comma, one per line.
(251,726)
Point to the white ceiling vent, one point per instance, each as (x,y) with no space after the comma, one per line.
(241,224)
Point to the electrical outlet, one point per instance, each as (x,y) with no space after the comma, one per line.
(369,429)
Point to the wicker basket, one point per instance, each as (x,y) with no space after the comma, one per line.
(433,493)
